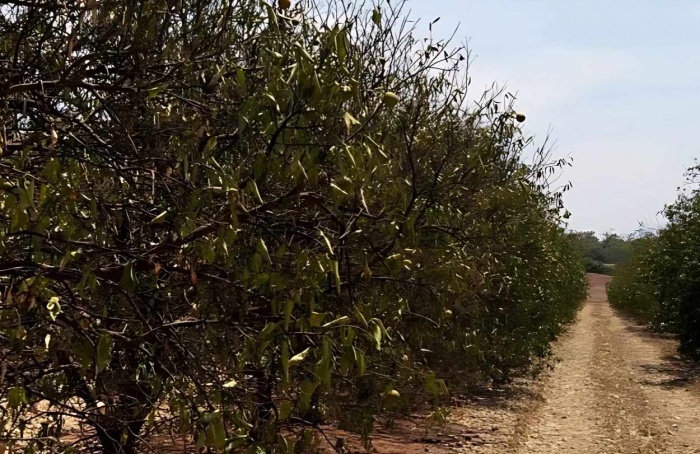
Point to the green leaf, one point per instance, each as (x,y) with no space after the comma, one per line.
(235,441)
(347,360)
(442,387)
(16,397)
(271,97)
(54,307)
(160,218)
(284,361)
(210,145)
(348,336)
(377,336)
(104,351)
(392,398)
(350,121)
(317,82)
(325,366)
(351,156)
(283,446)
(341,45)
(307,390)
(285,409)
(339,189)
(241,80)
(155,91)
(128,280)
(435,387)
(316,319)
(377,17)
(298,169)
(361,361)
(338,321)
(336,275)
(360,316)
(266,333)
(256,191)
(299,357)
(215,433)
(68,257)
(303,52)
(262,249)
(272,16)
(381,325)
(200,440)
(288,309)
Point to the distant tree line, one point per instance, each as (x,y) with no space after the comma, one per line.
(601,256)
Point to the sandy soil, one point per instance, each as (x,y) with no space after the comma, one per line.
(615,388)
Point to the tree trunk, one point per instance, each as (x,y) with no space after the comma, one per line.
(111,438)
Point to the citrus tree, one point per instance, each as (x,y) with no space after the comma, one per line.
(226,218)
(660,282)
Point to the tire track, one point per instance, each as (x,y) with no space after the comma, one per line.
(616,389)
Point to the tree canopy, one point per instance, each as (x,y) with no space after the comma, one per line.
(660,283)
(225,218)
(602,255)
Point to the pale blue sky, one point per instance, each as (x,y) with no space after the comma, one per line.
(617,81)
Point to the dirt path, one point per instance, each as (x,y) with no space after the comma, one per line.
(616,388)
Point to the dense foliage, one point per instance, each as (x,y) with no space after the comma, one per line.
(225,218)
(661,282)
(601,256)
(630,289)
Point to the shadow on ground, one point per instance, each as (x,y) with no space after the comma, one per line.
(673,371)
(487,409)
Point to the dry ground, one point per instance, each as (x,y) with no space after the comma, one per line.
(615,388)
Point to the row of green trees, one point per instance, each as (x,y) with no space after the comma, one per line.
(660,283)
(601,256)
(233,219)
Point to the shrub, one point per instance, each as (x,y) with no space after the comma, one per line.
(601,256)
(676,272)
(661,281)
(594,266)
(630,289)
